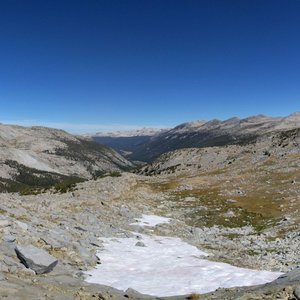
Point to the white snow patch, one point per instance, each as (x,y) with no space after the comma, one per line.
(150,220)
(167,266)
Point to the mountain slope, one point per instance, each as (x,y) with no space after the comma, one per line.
(280,147)
(213,133)
(52,154)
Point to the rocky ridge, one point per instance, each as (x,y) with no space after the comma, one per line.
(201,134)
(270,148)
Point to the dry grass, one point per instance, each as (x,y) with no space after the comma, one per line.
(266,194)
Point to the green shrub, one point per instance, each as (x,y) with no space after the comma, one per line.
(30,181)
(115,174)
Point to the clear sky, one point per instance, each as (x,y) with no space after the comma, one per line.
(109,64)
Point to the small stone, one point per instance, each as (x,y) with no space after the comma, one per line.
(229,214)
(231,201)
(80,228)
(8,238)
(133,294)
(95,242)
(140,244)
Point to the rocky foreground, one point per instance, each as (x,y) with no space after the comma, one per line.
(67,227)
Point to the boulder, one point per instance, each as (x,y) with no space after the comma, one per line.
(133,294)
(36,259)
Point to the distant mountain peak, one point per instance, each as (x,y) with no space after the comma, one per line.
(294,116)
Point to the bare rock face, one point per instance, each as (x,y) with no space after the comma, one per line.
(36,259)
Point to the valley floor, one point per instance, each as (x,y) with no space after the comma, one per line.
(220,214)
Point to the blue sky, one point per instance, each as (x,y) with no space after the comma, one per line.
(98,65)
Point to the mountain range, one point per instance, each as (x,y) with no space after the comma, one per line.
(199,134)
(43,156)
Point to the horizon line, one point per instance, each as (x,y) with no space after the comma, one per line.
(81,128)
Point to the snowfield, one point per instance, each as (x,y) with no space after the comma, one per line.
(166,266)
(150,220)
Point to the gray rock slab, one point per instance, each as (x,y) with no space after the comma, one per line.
(8,238)
(5,223)
(56,238)
(3,268)
(95,242)
(36,259)
(87,256)
(22,225)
